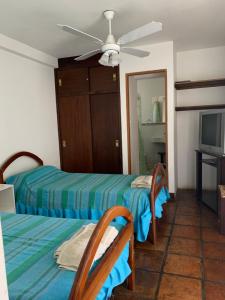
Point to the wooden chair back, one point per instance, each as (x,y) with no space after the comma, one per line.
(159,181)
(87,285)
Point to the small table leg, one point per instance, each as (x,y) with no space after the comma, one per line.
(221,209)
(199,175)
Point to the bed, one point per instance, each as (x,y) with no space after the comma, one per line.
(32,273)
(48,191)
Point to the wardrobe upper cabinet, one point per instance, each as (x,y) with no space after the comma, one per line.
(104,79)
(72,81)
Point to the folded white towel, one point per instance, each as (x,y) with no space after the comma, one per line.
(142,182)
(69,254)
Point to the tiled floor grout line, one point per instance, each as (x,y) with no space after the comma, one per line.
(217,243)
(166,252)
(196,239)
(180,275)
(222,260)
(216,281)
(181,254)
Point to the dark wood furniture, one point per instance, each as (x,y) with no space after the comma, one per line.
(199,107)
(221,209)
(89,122)
(218,162)
(162,157)
(188,84)
(86,286)
(159,181)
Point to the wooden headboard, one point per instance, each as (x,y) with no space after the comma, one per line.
(12,158)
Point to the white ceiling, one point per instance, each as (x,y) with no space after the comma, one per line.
(191,24)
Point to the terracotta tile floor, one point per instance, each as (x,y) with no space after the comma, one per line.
(188,261)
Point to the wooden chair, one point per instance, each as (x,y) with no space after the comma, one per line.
(159,181)
(87,285)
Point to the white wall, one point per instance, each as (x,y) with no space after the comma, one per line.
(28,119)
(161,57)
(195,65)
(3,281)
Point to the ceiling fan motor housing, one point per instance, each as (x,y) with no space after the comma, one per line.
(110,48)
(109,14)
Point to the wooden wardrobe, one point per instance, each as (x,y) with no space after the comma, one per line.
(89,121)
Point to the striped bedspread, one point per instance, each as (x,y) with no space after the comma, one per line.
(49,191)
(32,272)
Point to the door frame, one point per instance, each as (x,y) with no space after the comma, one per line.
(128,75)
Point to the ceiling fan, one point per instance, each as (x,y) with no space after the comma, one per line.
(110,48)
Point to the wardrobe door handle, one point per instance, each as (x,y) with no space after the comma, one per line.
(117,143)
(64,144)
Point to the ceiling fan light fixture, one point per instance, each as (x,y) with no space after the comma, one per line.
(114,60)
(104,59)
(110,58)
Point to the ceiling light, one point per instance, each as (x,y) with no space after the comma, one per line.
(114,60)
(104,60)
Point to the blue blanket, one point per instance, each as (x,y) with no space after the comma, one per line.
(49,191)
(32,272)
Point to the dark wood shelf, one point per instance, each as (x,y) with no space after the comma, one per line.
(153,123)
(210,161)
(210,153)
(199,107)
(188,84)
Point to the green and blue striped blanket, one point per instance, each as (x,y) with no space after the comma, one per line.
(32,272)
(49,191)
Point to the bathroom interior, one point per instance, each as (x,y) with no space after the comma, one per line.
(147,101)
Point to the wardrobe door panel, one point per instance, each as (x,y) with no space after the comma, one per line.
(106,133)
(104,79)
(72,81)
(75,134)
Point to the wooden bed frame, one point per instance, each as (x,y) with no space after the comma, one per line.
(159,180)
(87,287)
(15,156)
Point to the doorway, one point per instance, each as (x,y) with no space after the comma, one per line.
(147,120)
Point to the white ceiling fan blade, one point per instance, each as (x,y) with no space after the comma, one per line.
(80,33)
(140,32)
(87,55)
(135,52)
